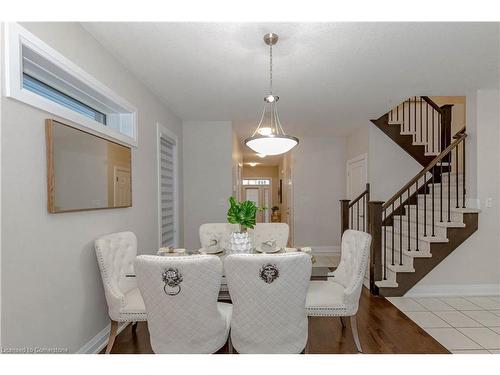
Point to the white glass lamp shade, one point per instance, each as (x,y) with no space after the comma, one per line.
(272,144)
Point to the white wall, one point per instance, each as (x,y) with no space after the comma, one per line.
(389,166)
(474,267)
(319,182)
(52,294)
(358,142)
(207,176)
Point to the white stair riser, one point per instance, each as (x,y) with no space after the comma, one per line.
(407,260)
(452,178)
(386,284)
(455,217)
(391,275)
(422,245)
(438,231)
(405,255)
(438,198)
(428,221)
(453,184)
(421,237)
(413,112)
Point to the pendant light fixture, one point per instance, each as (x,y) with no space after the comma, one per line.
(269,138)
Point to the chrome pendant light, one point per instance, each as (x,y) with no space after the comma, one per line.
(269,138)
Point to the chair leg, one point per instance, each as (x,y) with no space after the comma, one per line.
(307,349)
(134,327)
(354,328)
(342,322)
(229,344)
(112,336)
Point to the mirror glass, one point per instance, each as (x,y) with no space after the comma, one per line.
(86,172)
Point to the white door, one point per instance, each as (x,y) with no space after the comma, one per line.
(122,187)
(266,202)
(357,177)
(261,196)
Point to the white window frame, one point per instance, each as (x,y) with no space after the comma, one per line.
(123,112)
(161,130)
(270,184)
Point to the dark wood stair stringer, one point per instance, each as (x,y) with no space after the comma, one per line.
(439,251)
(405,141)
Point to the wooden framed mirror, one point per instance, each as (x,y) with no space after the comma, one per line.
(85,171)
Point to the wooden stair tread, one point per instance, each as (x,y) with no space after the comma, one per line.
(386,284)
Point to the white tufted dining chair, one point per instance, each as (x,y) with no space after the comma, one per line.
(340,296)
(115,255)
(268,292)
(180,294)
(220,232)
(270,231)
(262,232)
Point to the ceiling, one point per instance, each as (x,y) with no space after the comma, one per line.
(331,77)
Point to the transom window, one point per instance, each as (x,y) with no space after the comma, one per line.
(260,181)
(40,76)
(38,87)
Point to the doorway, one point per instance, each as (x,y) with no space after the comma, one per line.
(259,191)
(357,178)
(357,175)
(121,191)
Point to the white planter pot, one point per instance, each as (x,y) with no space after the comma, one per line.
(240,243)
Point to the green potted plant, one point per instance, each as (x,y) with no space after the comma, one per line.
(242,213)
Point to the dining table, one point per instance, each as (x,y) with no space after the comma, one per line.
(317,273)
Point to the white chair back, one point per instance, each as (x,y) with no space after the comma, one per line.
(180,294)
(220,232)
(115,255)
(270,231)
(268,294)
(355,249)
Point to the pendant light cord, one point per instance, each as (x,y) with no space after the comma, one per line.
(271,68)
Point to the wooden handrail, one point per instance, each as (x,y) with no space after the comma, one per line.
(432,104)
(460,136)
(366,191)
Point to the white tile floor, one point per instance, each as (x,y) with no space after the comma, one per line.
(463,325)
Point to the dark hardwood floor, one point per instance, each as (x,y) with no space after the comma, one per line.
(382,329)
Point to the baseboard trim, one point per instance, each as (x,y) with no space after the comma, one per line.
(99,341)
(473,203)
(334,250)
(454,290)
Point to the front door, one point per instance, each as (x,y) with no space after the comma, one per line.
(261,196)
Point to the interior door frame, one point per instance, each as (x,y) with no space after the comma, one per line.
(349,163)
(162,131)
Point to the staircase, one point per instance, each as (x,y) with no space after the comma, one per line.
(419,126)
(427,218)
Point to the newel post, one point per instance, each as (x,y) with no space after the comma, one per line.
(375,229)
(344,215)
